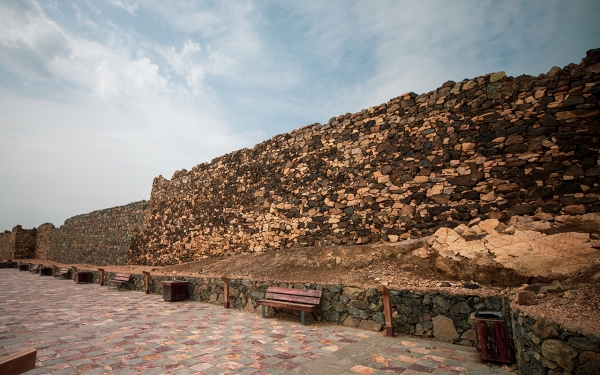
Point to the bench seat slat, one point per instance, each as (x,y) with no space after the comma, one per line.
(292,298)
(297,292)
(288,305)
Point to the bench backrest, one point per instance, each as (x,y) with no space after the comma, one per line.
(311,297)
(122,277)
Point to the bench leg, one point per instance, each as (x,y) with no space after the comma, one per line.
(263,311)
(302,317)
(314,316)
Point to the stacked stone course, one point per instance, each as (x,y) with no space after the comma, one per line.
(42,244)
(19,243)
(6,245)
(545,347)
(488,147)
(101,237)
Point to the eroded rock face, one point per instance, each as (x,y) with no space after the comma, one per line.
(525,251)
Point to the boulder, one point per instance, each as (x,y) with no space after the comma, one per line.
(443,329)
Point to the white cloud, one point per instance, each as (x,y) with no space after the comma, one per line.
(30,43)
(125,5)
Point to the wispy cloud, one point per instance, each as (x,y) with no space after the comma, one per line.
(94,102)
(125,5)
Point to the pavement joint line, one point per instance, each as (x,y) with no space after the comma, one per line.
(107,332)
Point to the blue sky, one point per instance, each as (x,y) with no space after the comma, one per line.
(98,97)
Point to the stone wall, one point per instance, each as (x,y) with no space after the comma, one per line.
(6,245)
(428,314)
(42,244)
(101,237)
(24,242)
(544,347)
(19,243)
(488,147)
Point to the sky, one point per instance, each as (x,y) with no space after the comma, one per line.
(98,97)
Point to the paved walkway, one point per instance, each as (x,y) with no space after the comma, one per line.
(86,329)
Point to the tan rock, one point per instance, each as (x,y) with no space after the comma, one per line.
(350,322)
(489,225)
(495,77)
(369,325)
(528,252)
(575,209)
(443,329)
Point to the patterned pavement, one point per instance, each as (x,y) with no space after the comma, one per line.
(88,329)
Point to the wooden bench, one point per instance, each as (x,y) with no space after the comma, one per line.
(292,299)
(62,272)
(19,362)
(120,279)
(34,268)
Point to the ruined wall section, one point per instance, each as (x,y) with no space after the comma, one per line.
(101,237)
(23,242)
(42,243)
(488,147)
(6,245)
(19,243)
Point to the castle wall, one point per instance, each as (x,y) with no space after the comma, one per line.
(101,237)
(488,147)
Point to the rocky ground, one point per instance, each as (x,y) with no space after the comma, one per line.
(398,266)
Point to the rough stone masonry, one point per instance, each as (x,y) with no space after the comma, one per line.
(487,147)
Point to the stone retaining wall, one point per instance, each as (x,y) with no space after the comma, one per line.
(544,347)
(488,147)
(101,237)
(431,314)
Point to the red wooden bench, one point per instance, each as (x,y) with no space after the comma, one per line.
(120,279)
(292,299)
(62,272)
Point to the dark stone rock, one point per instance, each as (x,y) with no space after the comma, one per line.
(436,210)
(581,343)
(521,209)
(536,132)
(548,120)
(541,192)
(594,171)
(470,285)
(587,368)
(467,180)
(515,149)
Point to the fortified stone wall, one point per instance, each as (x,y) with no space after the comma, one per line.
(24,242)
(488,147)
(101,237)
(42,244)
(6,245)
(19,243)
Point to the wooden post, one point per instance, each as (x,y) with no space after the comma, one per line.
(147,281)
(101,276)
(387,310)
(226,292)
(19,362)
(74,273)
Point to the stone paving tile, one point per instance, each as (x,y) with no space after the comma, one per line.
(86,329)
